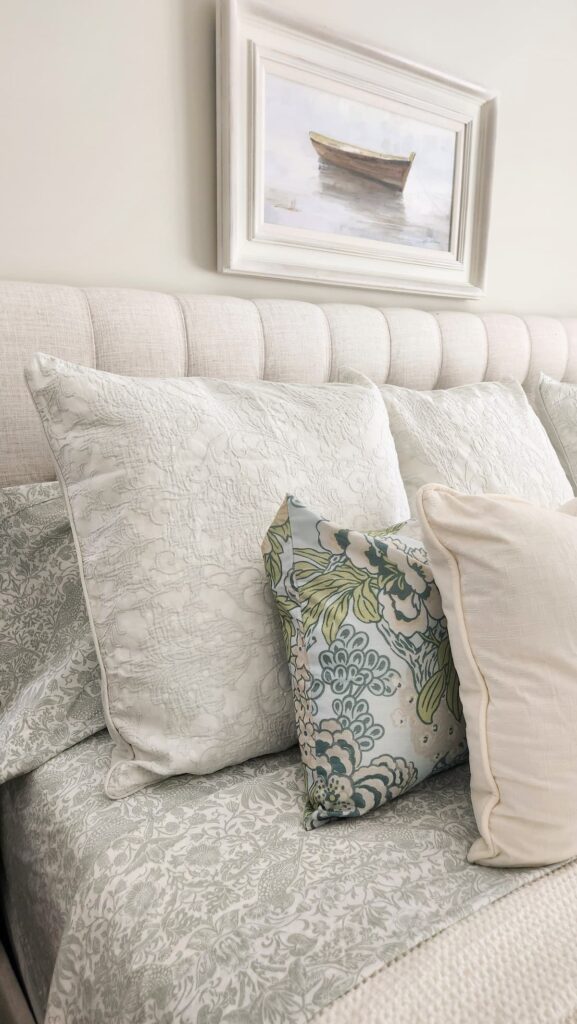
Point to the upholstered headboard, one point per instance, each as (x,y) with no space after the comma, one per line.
(154,334)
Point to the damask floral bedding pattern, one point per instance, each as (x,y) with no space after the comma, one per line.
(49,674)
(375,689)
(204,901)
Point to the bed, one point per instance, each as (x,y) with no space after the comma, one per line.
(202,899)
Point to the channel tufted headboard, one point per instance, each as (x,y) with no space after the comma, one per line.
(154,334)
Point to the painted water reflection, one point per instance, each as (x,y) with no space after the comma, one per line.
(303,191)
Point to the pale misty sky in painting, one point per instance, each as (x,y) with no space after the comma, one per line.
(301,194)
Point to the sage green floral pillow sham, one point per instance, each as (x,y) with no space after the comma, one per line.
(375,689)
(49,674)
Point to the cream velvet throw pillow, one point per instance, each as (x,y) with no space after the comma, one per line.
(507,572)
(171,485)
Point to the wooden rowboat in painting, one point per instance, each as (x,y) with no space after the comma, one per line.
(388,170)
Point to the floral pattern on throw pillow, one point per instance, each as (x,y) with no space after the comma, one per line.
(375,689)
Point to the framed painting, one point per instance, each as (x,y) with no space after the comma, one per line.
(340,163)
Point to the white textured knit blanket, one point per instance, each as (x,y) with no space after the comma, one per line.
(514,962)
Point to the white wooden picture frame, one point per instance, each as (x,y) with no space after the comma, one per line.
(330,209)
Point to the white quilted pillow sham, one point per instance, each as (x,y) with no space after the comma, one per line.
(171,485)
(477,438)
(556,403)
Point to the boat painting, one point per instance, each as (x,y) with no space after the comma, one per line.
(382,167)
(316,184)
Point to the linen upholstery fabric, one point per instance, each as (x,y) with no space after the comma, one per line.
(49,674)
(506,570)
(375,689)
(148,333)
(171,484)
(477,438)
(203,898)
(556,403)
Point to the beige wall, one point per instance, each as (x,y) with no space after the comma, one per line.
(107,167)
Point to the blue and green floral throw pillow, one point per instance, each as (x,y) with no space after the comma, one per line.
(375,689)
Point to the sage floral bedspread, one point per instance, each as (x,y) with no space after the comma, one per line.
(204,900)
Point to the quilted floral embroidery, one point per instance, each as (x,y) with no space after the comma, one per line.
(375,689)
(170,485)
(477,438)
(557,406)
